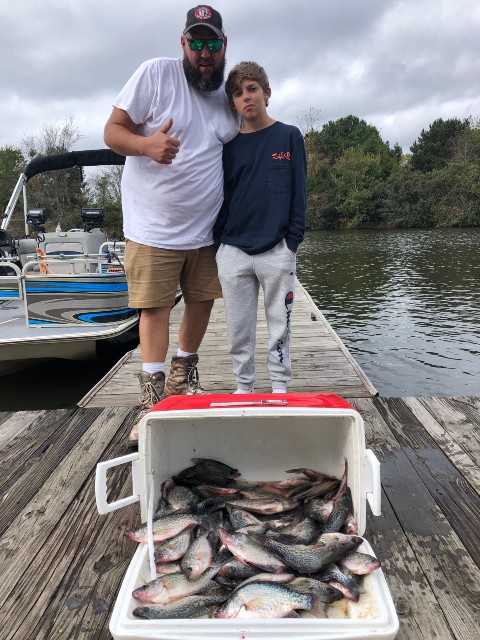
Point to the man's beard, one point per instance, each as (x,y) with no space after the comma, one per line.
(195,78)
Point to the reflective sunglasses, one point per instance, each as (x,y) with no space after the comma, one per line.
(212,45)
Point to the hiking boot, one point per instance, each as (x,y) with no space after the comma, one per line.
(152,386)
(183,378)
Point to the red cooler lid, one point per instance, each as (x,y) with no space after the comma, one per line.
(229,400)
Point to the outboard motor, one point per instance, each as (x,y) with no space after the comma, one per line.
(92,219)
(36,218)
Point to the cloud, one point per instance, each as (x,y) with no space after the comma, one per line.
(399,64)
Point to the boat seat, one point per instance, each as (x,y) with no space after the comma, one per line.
(26,250)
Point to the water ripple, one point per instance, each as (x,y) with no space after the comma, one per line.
(405,302)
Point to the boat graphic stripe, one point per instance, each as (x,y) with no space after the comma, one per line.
(102,317)
(66,287)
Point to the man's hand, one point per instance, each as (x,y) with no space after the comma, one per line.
(160,146)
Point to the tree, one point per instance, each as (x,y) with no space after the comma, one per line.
(11,166)
(104,191)
(358,176)
(350,132)
(60,193)
(435,147)
(309,120)
(403,199)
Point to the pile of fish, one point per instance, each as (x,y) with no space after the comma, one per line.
(226,547)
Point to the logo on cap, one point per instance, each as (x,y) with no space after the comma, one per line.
(203,13)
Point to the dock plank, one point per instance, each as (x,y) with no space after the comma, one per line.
(63,563)
(444,559)
(450,441)
(313,343)
(58,534)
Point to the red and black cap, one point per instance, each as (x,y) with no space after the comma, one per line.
(204,15)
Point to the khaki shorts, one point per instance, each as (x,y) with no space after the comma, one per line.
(153,275)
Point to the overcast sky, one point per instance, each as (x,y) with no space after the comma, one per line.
(398,64)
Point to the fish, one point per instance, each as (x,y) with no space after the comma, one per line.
(311,558)
(311,474)
(316,489)
(182,498)
(173,548)
(325,592)
(239,519)
(171,587)
(248,548)
(264,506)
(167,527)
(341,580)
(267,577)
(264,600)
(319,509)
(240,542)
(194,606)
(359,563)
(339,514)
(236,570)
(167,567)
(350,526)
(303,532)
(198,557)
(207,471)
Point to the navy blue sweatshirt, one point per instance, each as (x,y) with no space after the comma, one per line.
(265,190)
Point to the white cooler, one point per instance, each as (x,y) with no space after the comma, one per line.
(261,435)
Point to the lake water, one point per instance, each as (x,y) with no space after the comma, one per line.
(406,303)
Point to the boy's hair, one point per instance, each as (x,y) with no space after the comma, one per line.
(245,71)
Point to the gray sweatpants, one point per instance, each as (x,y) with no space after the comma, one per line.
(241,276)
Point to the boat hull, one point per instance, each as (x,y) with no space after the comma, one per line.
(18,355)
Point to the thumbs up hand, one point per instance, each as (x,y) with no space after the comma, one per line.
(160,146)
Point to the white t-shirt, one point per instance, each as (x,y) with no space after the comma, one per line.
(174,206)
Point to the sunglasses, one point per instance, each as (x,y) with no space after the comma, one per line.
(212,45)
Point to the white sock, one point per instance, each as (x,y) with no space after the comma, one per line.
(243,391)
(279,390)
(153,367)
(184,354)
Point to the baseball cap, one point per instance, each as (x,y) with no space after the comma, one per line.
(204,15)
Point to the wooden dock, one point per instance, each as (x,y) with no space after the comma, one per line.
(320,360)
(62,564)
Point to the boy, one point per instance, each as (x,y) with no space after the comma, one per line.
(260,226)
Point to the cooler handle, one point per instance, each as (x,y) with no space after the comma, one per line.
(103,506)
(374,496)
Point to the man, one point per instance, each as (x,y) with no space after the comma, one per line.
(171,120)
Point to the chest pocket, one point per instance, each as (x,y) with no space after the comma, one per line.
(279,179)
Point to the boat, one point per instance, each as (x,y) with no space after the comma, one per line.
(63,294)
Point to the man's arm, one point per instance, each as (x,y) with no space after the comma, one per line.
(121,136)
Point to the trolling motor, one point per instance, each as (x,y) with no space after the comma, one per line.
(92,218)
(36,218)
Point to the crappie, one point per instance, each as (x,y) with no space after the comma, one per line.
(264,600)
(259,505)
(206,471)
(188,607)
(173,548)
(324,591)
(174,586)
(166,527)
(359,563)
(198,557)
(311,558)
(249,549)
